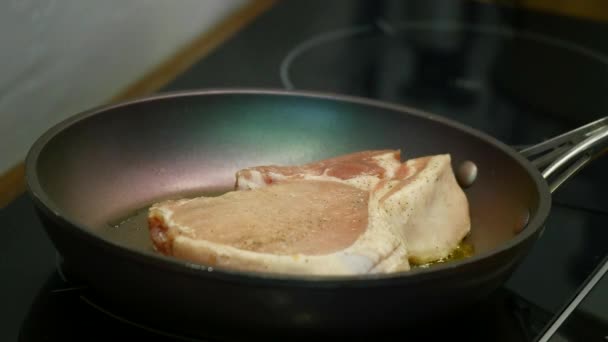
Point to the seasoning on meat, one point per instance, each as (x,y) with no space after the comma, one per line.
(313,227)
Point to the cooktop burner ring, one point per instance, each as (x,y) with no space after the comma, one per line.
(59,268)
(391,29)
(141,326)
(99,308)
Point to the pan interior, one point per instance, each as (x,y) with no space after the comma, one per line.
(103,170)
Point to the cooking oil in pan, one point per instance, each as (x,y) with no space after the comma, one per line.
(463,250)
(131,230)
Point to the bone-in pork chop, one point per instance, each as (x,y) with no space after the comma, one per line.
(298,226)
(361,169)
(361,213)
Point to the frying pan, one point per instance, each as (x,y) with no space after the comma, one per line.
(92,176)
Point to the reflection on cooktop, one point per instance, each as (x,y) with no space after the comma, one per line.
(585,318)
(572,245)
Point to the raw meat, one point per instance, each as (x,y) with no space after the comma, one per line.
(299,226)
(361,213)
(361,169)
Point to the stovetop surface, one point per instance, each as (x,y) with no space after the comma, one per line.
(519,76)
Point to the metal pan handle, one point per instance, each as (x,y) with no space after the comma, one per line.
(561,157)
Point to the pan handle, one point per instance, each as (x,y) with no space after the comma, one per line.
(561,157)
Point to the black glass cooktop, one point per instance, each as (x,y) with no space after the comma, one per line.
(520,76)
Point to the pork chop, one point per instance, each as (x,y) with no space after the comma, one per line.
(361,169)
(322,218)
(297,226)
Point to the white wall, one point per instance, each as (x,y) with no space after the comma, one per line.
(59,57)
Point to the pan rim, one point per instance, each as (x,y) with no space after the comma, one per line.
(42,200)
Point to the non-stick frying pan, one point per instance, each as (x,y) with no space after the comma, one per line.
(93,175)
